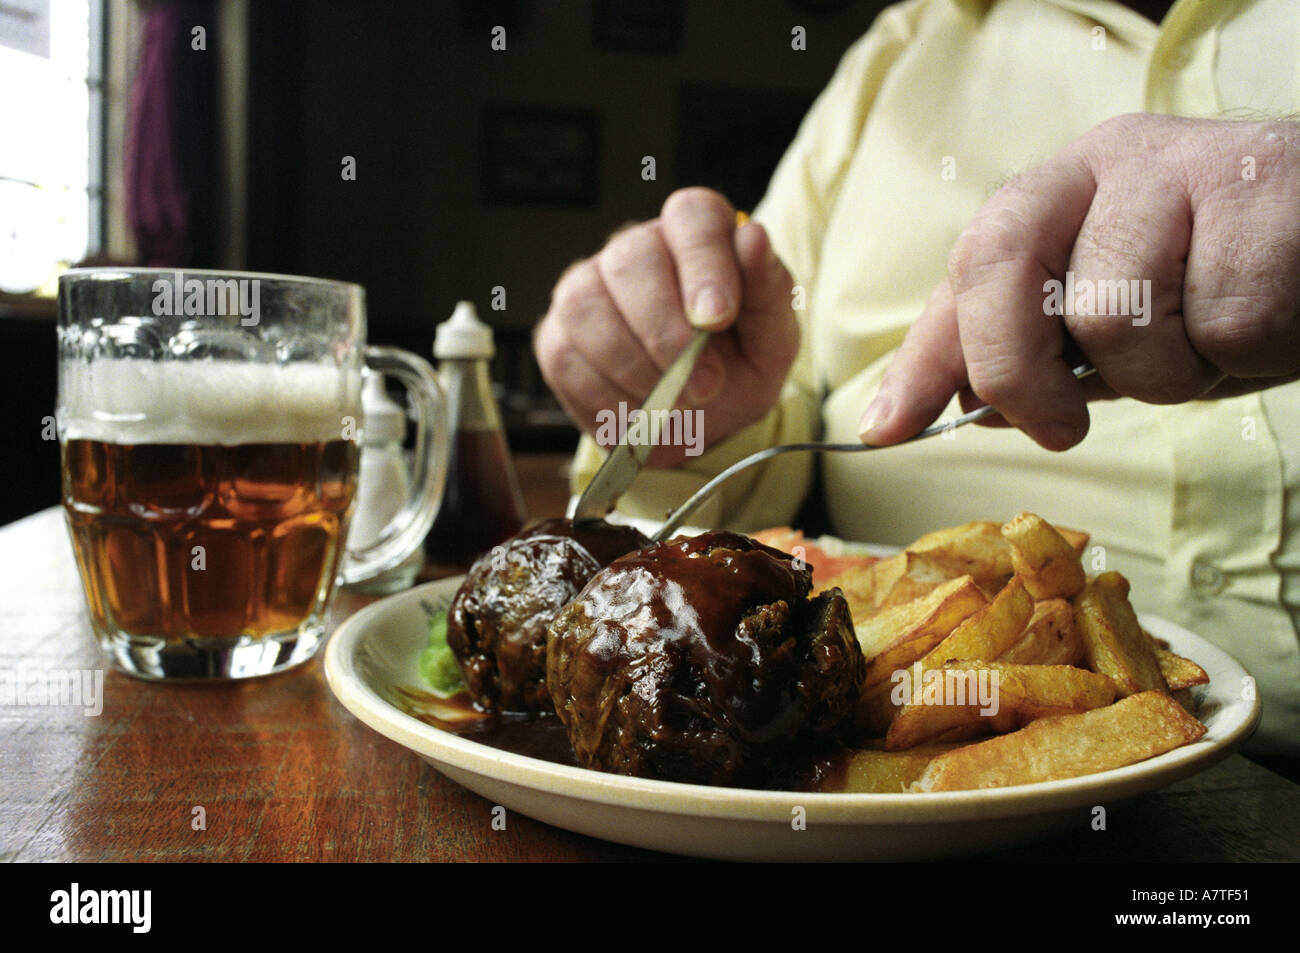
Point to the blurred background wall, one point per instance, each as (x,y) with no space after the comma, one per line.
(390,143)
(438,121)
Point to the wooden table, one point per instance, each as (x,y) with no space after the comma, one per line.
(277,770)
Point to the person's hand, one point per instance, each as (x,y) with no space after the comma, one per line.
(1187,234)
(618,319)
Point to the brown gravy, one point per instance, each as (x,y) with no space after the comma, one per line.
(535,735)
(538,736)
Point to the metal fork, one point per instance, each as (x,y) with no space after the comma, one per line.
(680,514)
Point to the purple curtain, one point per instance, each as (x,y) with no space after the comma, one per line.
(171,163)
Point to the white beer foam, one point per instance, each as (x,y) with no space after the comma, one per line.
(206,402)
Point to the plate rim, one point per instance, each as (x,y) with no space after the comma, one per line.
(440,747)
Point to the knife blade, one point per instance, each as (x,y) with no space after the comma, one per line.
(625,461)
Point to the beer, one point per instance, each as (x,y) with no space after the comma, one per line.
(209,424)
(181,541)
(211,503)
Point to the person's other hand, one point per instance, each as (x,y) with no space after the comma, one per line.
(1186,233)
(619,318)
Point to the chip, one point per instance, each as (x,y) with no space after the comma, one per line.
(1113,642)
(1133,729)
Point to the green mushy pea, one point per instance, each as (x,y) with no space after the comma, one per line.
(437,664)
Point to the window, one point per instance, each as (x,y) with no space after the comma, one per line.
(51,139)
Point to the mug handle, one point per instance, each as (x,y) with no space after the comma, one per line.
(406,531)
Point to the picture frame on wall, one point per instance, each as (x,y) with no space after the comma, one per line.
(540,156)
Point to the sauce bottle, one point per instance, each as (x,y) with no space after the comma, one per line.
(482,505)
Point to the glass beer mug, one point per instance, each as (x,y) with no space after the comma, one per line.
(210,426)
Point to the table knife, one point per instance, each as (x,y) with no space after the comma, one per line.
(625,461)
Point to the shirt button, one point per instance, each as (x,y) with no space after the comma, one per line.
(1207,578)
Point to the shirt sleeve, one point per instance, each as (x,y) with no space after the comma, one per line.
(799,202)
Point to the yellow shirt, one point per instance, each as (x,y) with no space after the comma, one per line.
(942,101)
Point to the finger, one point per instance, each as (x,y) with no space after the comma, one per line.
(1001,269)
(767,332)
(697,226)
(927,370)
(581,388)
(707,380)
(638,275)
(1121,297)
(1094,388)
(1242,290)
(968,402)
(593,326)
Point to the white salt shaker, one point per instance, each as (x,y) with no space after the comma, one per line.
(383,484)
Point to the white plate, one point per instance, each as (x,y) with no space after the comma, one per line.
(375,652)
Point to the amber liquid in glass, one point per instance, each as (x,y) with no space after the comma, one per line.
(187,542)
